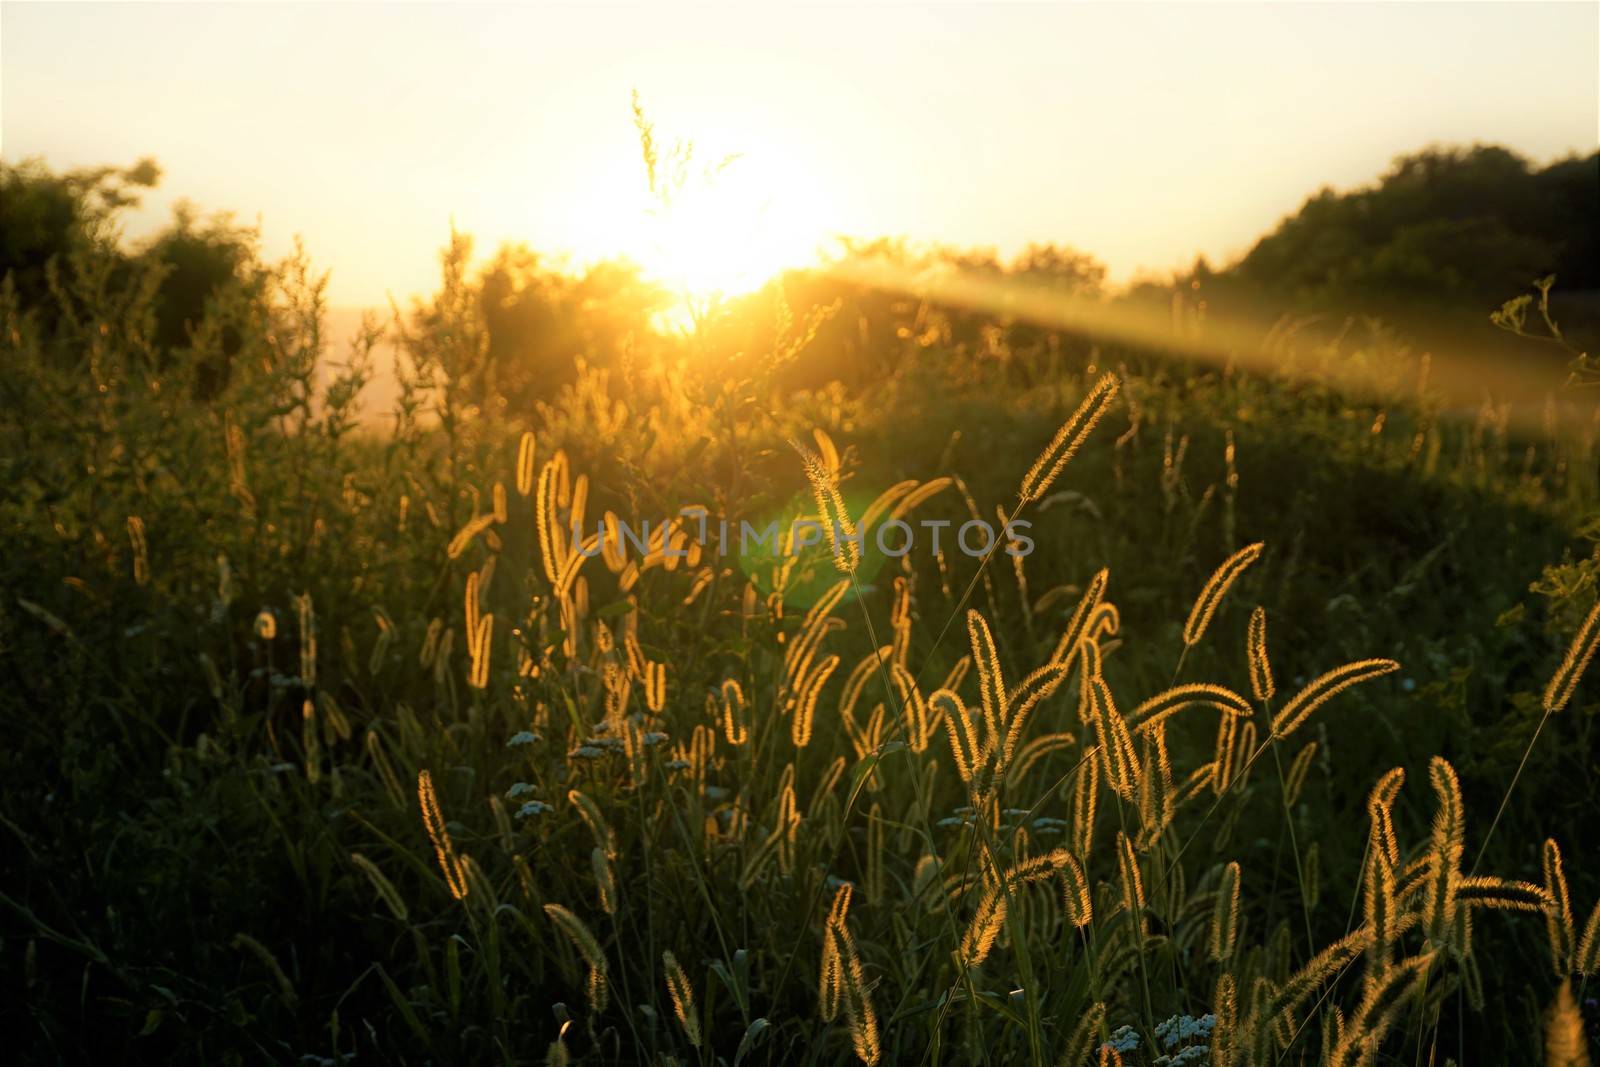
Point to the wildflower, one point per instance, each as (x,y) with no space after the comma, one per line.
(1181,1028)
(1123,1039)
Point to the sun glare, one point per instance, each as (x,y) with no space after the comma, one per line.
(728,230)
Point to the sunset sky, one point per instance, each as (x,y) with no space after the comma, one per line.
(1143,134)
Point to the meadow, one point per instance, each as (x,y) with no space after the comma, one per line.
(330,741)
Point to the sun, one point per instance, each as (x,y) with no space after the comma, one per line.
(727,230)
(727,213)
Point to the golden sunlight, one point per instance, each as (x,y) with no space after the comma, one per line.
(729,228)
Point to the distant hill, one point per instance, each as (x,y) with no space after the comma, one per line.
(1445,227)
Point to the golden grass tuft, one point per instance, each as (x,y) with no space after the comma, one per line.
(1324,688)
(443,848)
(682,994)
(1225,914)
(1068,439)
(1558,916)
(1216,587)
(1261,683)
(1574,663)
(526,449)
(843,540)
(1564,1042)
(1085,1037)
(1587,960)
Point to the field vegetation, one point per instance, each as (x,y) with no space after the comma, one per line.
(329,741)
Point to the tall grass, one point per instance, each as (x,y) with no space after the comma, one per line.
(806,806)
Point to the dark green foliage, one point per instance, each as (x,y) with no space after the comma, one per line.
(1457,228)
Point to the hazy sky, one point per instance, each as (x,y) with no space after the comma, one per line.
(1141,133)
